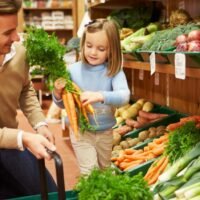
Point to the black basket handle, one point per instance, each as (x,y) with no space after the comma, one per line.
(59,176)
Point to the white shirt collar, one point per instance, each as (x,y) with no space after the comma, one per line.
(9,55)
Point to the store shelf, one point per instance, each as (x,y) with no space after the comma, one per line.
(161,68)
(46,9)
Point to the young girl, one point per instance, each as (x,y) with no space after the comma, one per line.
(99,74)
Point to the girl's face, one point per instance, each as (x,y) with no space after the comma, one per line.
(96,47)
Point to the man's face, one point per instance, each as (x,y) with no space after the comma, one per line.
(8,32)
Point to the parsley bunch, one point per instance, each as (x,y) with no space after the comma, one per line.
(108,185)
(46,52)
(181,140)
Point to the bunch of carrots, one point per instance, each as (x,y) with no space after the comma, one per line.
(130,158)
(73,106)
(156,168)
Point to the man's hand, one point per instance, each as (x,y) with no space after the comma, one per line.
(37,145)
(43,130)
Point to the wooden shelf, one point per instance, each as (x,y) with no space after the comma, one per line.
(161,68)
(46,9)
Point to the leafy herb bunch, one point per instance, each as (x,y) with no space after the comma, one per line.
(181,140)
(45,52)
(109,185)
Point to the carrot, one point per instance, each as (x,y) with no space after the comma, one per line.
(129,151)
(77,100)
(154,178)
(154,166)
(133,164)
(88,107)
(158,151)
(69,104)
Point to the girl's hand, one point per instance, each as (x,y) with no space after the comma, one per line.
(59,86)
(91,97)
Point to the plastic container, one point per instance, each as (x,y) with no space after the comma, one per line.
(133,56)
(159,57)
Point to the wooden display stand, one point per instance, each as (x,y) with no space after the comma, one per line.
(181,95)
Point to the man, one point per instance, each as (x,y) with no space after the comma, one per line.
(19,169)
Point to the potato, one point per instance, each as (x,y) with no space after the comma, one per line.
(137,105)
(152,133)
(119,120)
(123,129)
(116,138)
(131,112)
(160,128)
(124,145)
(148,106)
(133,142)
(141,101)
(117,147)
(152,129)
(123,108)
(143,135)
(160,132)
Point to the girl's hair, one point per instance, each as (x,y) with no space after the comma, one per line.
(10,6)
(112,32)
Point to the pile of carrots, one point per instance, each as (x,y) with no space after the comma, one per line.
(130,158)
(156,168)
(72,103)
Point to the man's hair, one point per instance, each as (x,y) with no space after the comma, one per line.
(10,6)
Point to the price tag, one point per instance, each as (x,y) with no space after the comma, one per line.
(180,65)
(152,58)
(157,78)
(141,74)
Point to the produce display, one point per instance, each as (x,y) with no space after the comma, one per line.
(134,116)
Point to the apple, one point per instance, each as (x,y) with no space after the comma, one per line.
(194,45)
(182,47)
(181,39)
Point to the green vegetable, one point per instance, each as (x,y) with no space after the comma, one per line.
(167,187)
(108,185)
(182,140)
(180,164)
(45,51)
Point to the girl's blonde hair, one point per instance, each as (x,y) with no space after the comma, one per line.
(112,32)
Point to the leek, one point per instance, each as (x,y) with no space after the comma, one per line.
(180,164)
(196,198)
(167,189)
(192,192)
(181,192)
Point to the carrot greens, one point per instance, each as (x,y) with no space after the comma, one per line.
(46,54)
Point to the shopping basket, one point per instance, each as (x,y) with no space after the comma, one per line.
(61,194)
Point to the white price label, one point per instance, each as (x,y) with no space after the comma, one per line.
(152,58)
(141,74)
(180,65)
(157,79)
